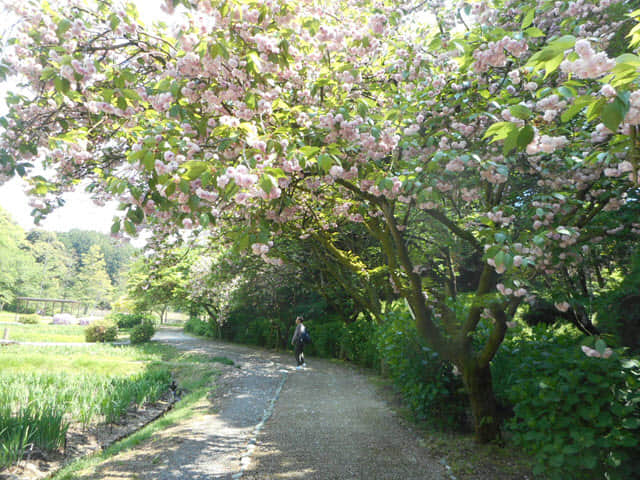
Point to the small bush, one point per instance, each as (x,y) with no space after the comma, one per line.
(102,331)
(30,319)
(142,333)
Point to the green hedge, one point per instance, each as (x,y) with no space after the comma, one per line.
(198,327)
(427,382)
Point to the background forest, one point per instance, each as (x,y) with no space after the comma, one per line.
(79,265)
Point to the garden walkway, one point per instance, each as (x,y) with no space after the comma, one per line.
(270,421)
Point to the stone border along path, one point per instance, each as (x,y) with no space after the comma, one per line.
(270,421)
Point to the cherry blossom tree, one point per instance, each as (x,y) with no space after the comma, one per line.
(496,140)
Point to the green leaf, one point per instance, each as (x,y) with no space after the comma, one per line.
(534,32)
(254,64)
(308,151)
(525,136)
(552,65)
(567,92)
(520,111)
(62,84)
(193,169)
(631,423)
(63,26)
(500,130)
(325,162)
(243,242)
(600,345)
(500,237)
(267,183)
(511,141)
(571,112)
(129,227)
(251,99)
(612,114)
(115,226)
(528,18)
(564,43)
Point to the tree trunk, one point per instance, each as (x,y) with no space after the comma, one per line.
(479,385)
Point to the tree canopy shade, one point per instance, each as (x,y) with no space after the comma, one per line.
(500,138)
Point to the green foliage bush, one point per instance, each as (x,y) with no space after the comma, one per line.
(101,331)
(142,333)
(354,341)
(578,416)
(29,319)
(130,320)
(198,327)
(426,381)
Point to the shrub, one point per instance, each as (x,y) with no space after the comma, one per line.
(426,381)
(577,416)
(142,333)
(355,341)
(29,319)
(198,327)
(101,331)
(130,320)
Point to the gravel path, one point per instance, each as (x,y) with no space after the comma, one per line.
(274,422)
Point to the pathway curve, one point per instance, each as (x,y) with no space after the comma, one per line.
(274,422)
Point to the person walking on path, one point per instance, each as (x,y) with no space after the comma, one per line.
(298,342)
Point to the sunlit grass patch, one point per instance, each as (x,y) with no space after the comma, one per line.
(43,389)
(45,333)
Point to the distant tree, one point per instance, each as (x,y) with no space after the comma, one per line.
(17,267)
(117,255)
(53,263)
(156,282)
(93,286)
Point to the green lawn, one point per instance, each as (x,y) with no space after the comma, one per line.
(45,333)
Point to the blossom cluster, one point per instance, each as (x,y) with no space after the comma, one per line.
(589,64)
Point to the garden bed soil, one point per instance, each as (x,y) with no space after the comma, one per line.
(81,442)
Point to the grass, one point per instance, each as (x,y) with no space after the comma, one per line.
(194,374)
(46,333)
(43,388)
(91,360)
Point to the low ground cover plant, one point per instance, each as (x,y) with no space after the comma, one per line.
(45,333)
